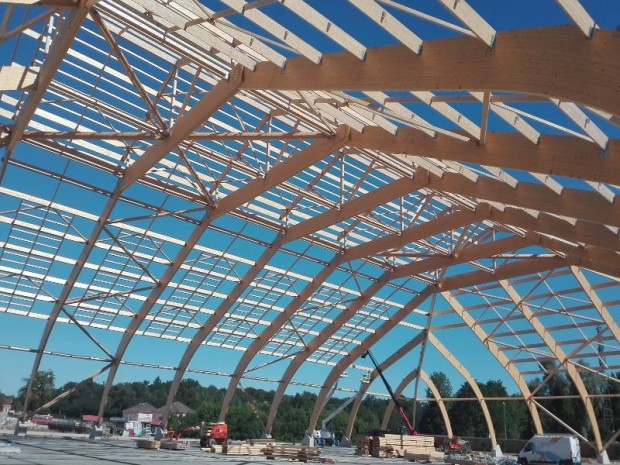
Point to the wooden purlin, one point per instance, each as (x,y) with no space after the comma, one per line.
(509,366)
(186,124)
(365,385)
(366,344)
(67,31)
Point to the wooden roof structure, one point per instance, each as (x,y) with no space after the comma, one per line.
(295,182)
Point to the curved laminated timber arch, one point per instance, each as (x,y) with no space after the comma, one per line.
(469,379)
(366,382)
(508,68)
(278,174)
(501,358)
(563,359)
(225,183)
(199,113)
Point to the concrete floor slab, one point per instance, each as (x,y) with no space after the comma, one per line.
(67,450)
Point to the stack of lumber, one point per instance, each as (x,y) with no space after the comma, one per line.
(431,456)
(147,444)
(264,442)
(245,449)
(385,445)
(382,452)
(415,447)
(173,444)
(363,444)
(216,448)
(293,452)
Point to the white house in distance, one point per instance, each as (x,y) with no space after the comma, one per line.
(141,413)
(178,409)
(144,415)
(6,407)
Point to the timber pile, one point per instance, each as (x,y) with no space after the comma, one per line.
(245,449)
(384,445)
(363,445)
(216,448)
(293,452)
(272,451)
(147,444)
(173,444)
(432,456)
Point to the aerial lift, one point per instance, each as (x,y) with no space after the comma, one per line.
(325,436)
(401,410)
(453,444)
(210,433)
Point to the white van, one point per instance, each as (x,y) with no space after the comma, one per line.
(551,449)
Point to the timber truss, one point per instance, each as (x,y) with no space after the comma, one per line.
(286,184)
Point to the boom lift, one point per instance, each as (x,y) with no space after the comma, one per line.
(327,437)
(211,433)
(400,408)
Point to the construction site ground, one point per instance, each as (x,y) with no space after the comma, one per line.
(37,449)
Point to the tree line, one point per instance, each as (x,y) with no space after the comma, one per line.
(249,409)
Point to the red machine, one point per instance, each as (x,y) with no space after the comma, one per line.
(213,433)
(170,434)
(401,410)
(456,445)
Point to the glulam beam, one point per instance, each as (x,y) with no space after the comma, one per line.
(519,62)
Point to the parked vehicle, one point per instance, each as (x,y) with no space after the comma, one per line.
(551,449)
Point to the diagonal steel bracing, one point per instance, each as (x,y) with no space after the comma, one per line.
(366,344)
(527,201)
(304,229)
(397,355)
(418,232)
(562,358)
(67,31)
(469,279)
(501,358)
(277,175)
(436,394)
(210,103)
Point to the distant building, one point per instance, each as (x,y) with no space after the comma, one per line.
(178,409)
(6,407)
(143,413)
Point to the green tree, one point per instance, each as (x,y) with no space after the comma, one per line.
(556,386)
(43,390)
(192,393)
(431,421)
(84,400)
(158,392)
(466,416)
